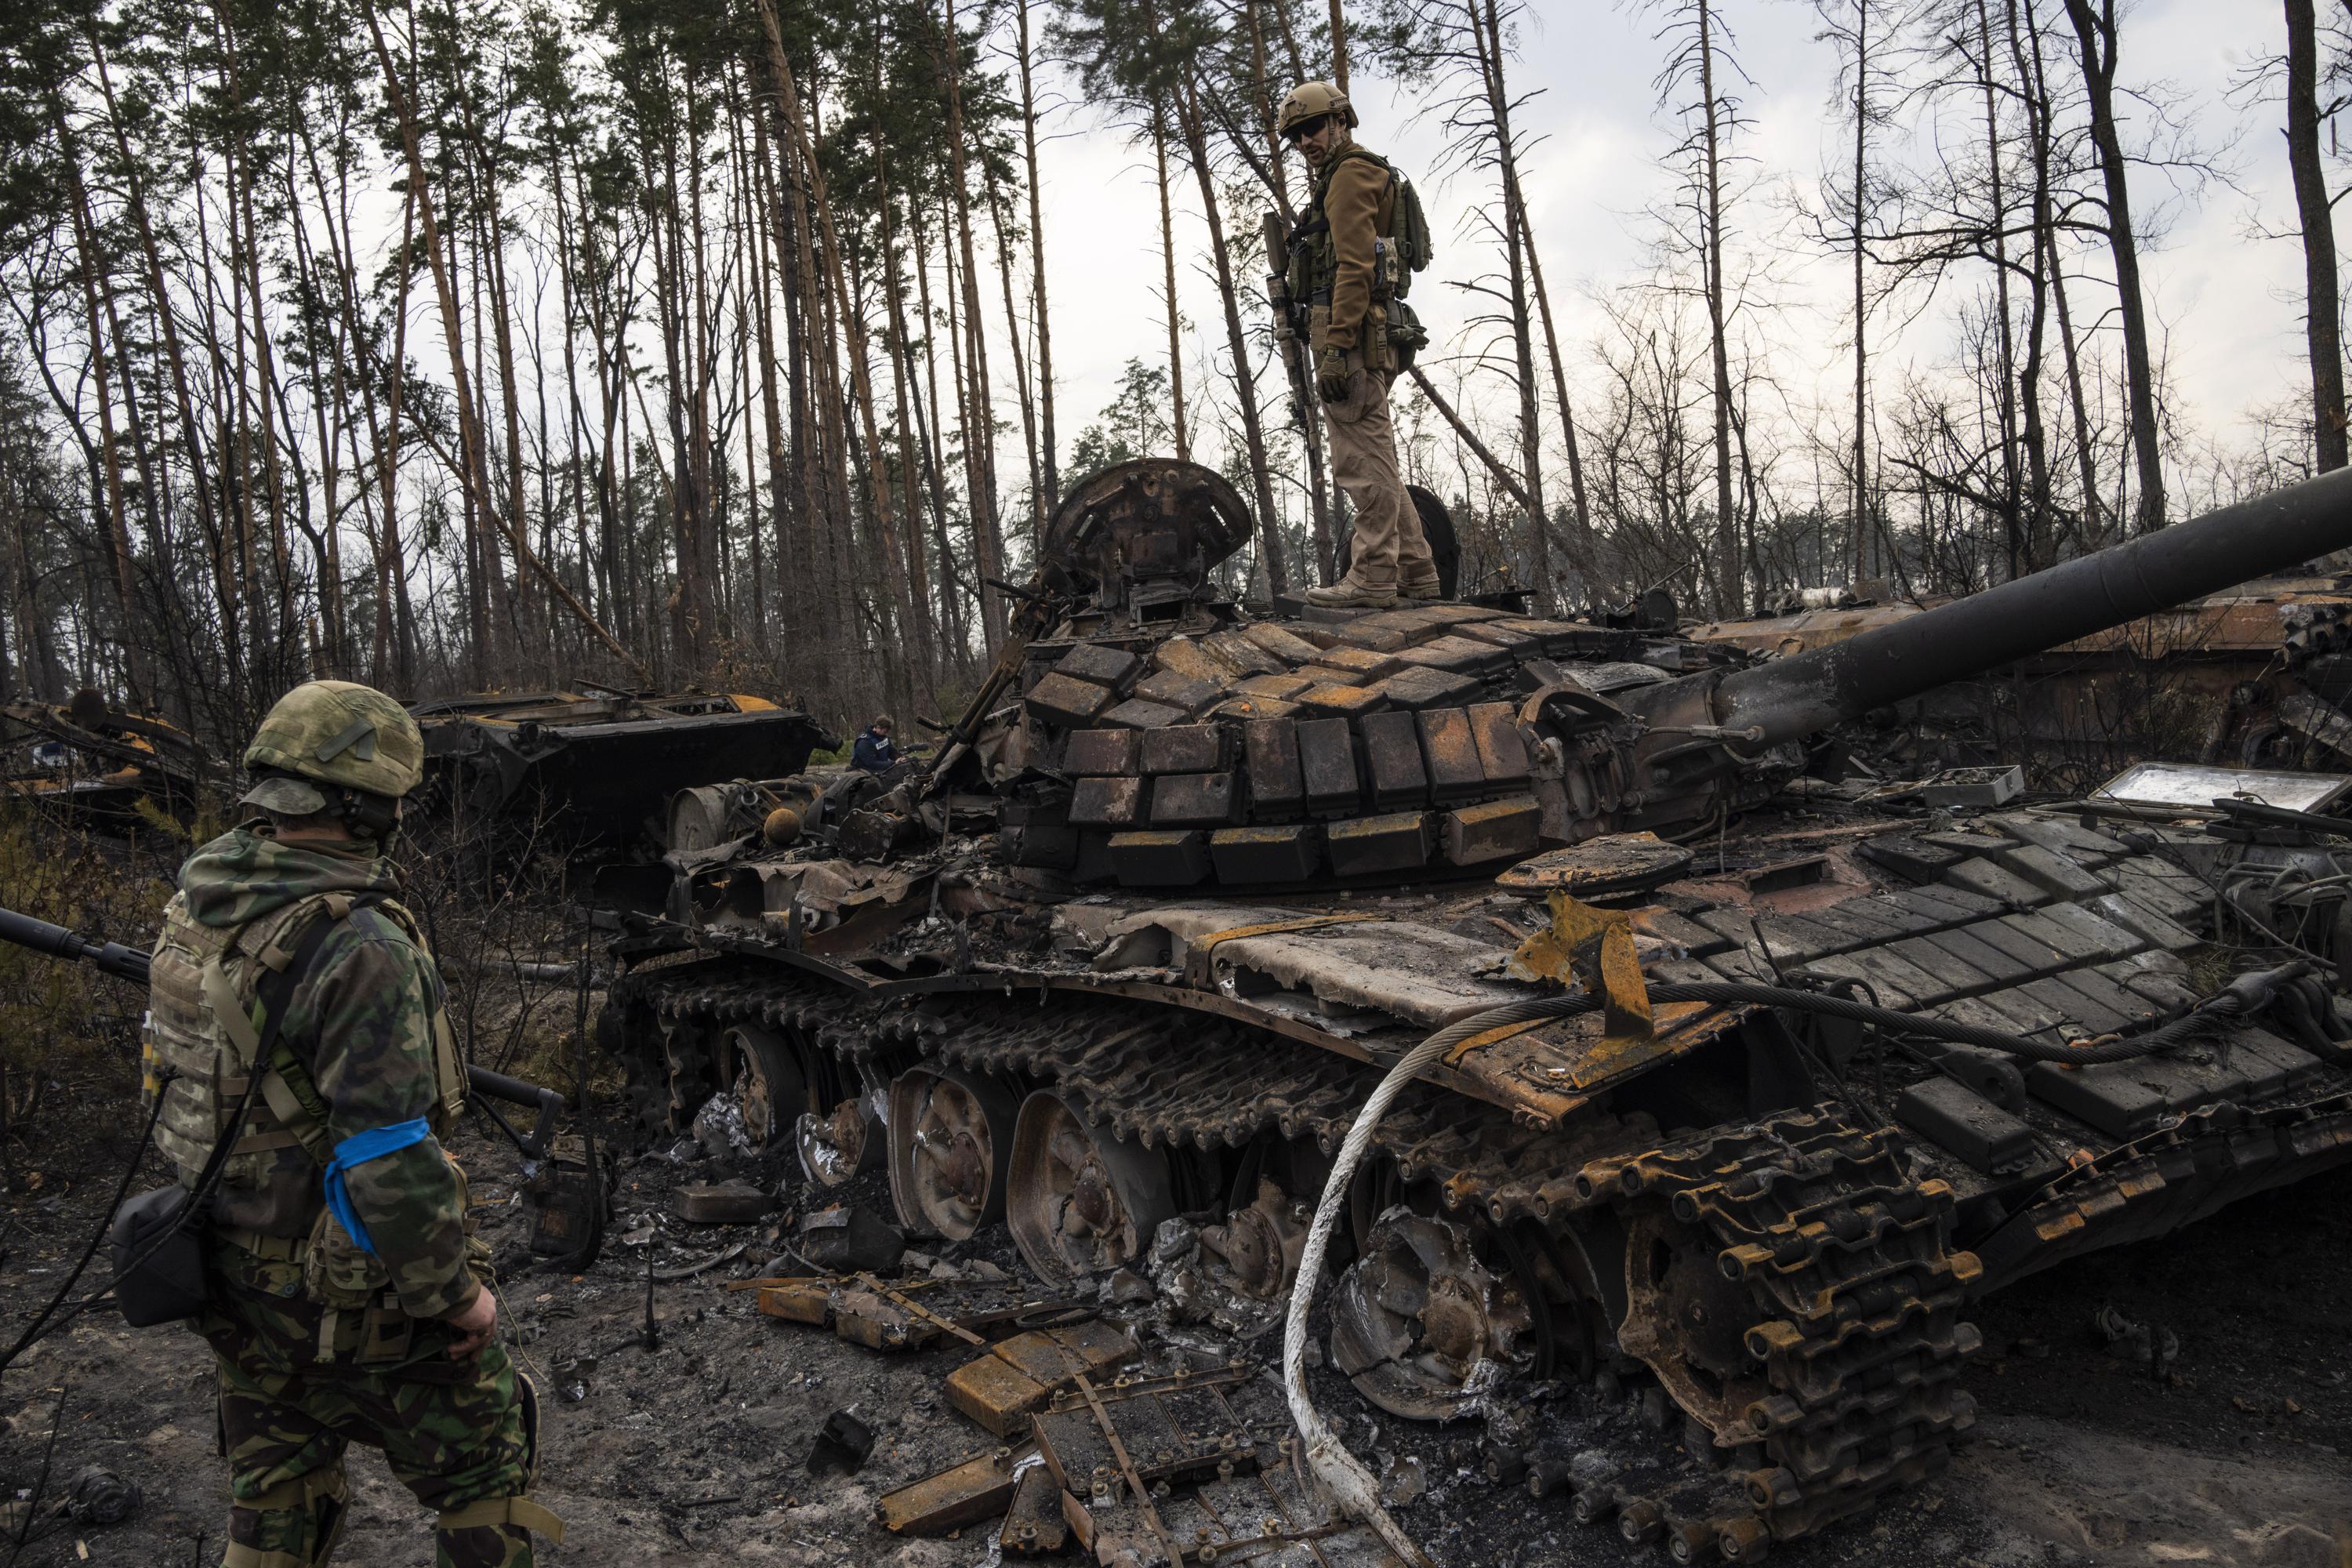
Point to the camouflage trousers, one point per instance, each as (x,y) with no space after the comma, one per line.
(459,1435)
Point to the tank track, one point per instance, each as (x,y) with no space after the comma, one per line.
(1841,1254)
(1165,1078)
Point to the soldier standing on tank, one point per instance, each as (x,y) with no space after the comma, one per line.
(1343,266)
(347,1299)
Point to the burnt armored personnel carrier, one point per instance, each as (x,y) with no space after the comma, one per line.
(1778,1086)
(593,772)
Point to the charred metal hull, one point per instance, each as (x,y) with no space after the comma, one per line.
(2259,677)
(1186,885)
(101,768)
(590,773)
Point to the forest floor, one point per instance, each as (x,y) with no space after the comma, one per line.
(695,1452)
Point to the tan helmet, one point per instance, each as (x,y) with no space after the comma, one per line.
(1313,100)
(335,732)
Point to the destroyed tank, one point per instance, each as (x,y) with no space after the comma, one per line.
(1181,883)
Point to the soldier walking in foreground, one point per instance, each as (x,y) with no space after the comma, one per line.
(1356,247)
(347,1299)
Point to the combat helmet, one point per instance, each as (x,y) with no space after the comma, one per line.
(1311,100)
(335,743)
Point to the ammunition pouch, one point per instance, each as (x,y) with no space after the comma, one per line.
(1406,336)
(335,1272)
(157,1246)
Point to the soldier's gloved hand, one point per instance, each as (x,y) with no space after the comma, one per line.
(1332,374)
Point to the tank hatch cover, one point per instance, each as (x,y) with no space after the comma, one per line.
(1140,537)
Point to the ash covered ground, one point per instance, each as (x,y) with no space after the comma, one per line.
(2182,1401)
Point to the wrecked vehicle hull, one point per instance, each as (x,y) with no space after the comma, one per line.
(1754,1097)
(2258,676)
(579,769)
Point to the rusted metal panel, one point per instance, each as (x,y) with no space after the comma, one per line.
(1243,654)
(1280,688)
(1196,800)
(1135,713)
(1353,665)
(1186,749)
(1370,845)
(979,1489)
(1422,688)
(1326,759)
(1109,667)
(1174,857)
(1061,700)
(1272,854)
(1107,802)
(1270,751)
(1285,645)
(1183,692)
(1392,758)
(1450,752)
(1003,1388)
(1502,754)
(1496,830)
(1034,1525)
(1101,753)
(1341,701)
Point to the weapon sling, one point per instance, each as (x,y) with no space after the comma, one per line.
(158,1237)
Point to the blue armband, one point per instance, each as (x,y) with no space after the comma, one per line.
(356,1151)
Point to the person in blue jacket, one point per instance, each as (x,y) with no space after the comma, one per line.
(874,752)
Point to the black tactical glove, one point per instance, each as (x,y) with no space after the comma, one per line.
(1332,374)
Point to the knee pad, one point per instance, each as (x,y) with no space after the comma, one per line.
(311,1511)
(518,1512)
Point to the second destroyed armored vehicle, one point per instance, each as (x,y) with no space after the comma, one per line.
(578,769)
(1181,885)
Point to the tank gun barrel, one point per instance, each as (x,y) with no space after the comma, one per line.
(1793,697)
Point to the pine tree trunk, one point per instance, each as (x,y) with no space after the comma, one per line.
(2095,32)
(1049,461)
(1196,141)
(2323,323)
(1730,595)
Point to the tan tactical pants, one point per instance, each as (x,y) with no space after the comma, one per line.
(1388,549)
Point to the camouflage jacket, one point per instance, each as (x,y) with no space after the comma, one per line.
(362,1021)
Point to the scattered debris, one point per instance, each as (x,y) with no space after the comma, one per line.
(906,1314)
(734,1201)
(841,1444)
(688,1271)
(846,1238)
(1002,1388)
(1033,1525)
(980,1487)
(99,1496)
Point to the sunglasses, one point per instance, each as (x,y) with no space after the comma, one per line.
(1306,128)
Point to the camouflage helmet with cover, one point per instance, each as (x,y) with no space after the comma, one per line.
(1310,101)
(336,734)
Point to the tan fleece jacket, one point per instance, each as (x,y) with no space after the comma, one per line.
(1362,206)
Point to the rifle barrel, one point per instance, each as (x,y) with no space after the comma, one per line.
(56,941)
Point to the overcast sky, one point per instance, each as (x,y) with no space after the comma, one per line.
(2227,305)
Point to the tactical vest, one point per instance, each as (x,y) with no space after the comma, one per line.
(201,1025)
(1400,227)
